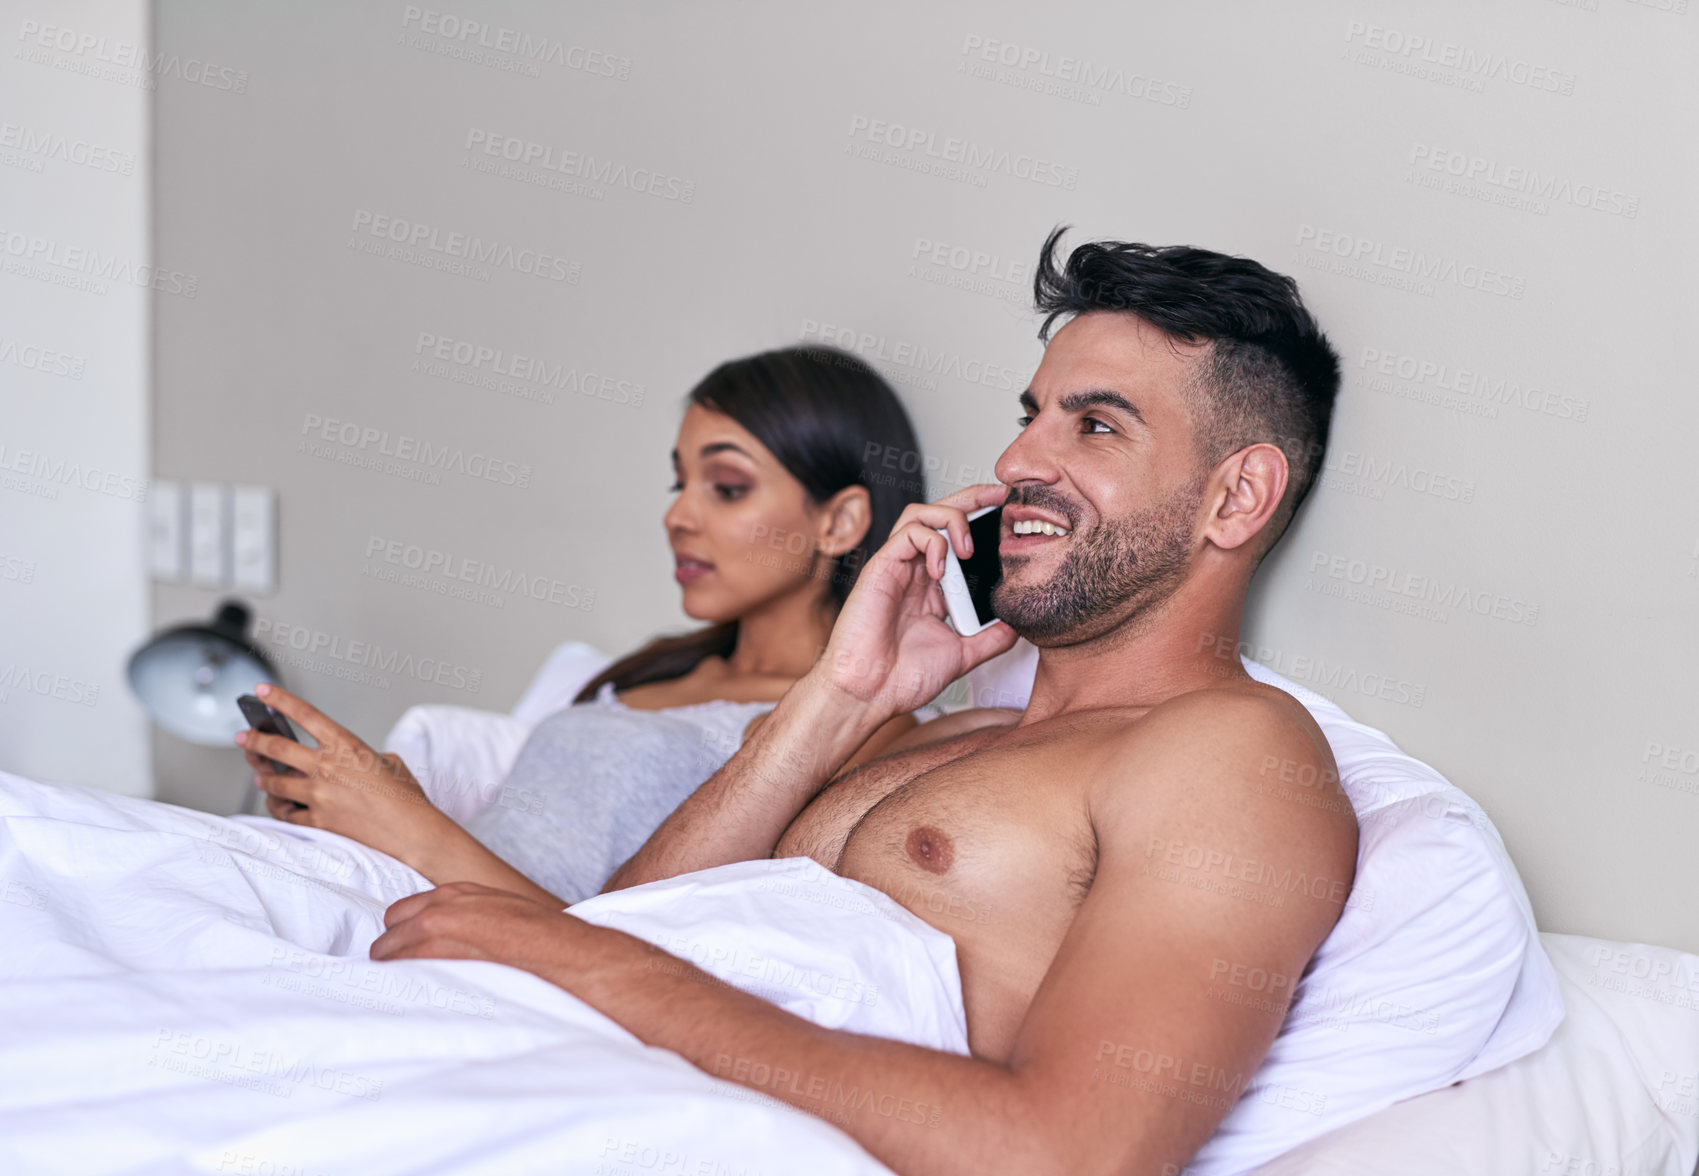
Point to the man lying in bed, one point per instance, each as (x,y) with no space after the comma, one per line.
(1171,431)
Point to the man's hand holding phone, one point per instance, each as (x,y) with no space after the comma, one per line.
(891,650)
(341,785)
(892,647)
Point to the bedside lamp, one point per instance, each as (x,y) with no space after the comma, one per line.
(188,677)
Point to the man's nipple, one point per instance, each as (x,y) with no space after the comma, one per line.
(930,848)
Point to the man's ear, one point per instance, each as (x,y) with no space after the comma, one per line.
(844,520)
(1250,485)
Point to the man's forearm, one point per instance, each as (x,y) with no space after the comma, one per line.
(920,1111)
(740,813)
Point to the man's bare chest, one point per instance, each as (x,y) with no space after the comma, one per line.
(953,828)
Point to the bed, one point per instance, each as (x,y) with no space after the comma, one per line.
(190,993)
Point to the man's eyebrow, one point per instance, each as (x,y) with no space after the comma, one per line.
(1088,398)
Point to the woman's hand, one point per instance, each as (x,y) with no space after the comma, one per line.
(341,785)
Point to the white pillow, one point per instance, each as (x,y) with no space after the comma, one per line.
(461,755)
(1433,973)
(1611,1094)
(562,676)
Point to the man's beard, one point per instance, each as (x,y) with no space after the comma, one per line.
(1139,560)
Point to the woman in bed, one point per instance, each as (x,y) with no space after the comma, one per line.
(781,498)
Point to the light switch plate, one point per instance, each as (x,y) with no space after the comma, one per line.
(167,559)
(253,539)
(208,506)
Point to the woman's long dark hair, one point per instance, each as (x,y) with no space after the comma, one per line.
(832,421)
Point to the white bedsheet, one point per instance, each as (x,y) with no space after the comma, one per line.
(187,993)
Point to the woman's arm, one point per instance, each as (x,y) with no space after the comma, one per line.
(454,855)
(344,786)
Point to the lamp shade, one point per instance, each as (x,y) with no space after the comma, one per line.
(189,677)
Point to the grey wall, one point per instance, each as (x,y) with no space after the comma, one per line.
(1500,567)
(75,276)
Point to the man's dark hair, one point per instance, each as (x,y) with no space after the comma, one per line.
(1270,374)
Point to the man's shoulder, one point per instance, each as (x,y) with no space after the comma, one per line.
(1220,717)
(1237,711)
(1239,747)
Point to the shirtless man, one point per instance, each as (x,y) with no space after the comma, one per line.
(1171,430)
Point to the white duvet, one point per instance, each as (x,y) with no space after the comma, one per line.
(187,993)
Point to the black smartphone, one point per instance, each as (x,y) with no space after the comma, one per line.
(262,718)
(983,570)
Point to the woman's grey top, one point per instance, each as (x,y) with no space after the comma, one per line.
(596,779)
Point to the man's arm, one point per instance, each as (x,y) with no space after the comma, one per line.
(890,652)
(742,810)
(1127,1058)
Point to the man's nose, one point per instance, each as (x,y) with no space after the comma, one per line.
(1030,457)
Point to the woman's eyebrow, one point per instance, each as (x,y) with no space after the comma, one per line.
(720,446)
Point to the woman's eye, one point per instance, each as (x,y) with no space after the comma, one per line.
(730,493)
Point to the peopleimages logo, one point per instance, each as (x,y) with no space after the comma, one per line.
(48,685)
(1470,169)
(475,34)
(457,571)
(418,235)
(1378,473)
(1411,588)
(1402,266)
(579,166)
(124,55)
(1489,389)
(38,250)
(973,271)
(53,472)
(319,649)
(1317,671)
(1076,71)
(16,569)
(952,150)
(923,363)
(977,263)
(515,374)
(42,359)
(237,1063)
(1406,52)
(52,145)
(403,447)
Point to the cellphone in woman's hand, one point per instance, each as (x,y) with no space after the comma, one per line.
(968,583)
(262,718)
